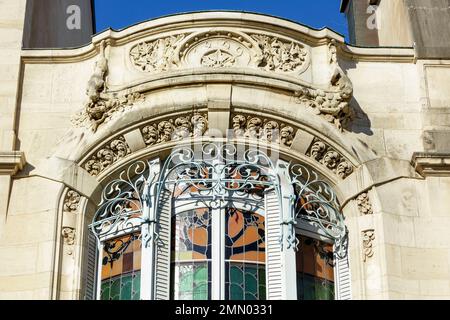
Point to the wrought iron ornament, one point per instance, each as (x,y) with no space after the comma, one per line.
(216,175)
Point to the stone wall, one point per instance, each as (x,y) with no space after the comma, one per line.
(396,209)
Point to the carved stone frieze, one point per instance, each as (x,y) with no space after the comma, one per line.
(175,129)
(261,128)
(368,236)
(364,205)
(220,49)
(327,156)
(107,155)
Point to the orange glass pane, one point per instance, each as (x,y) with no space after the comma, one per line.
(235,223)
(198,236)
(253,256)
(250,235)
(121,255)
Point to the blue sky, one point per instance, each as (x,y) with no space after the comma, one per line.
(119,14)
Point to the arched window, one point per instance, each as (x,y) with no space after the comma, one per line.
(217,227)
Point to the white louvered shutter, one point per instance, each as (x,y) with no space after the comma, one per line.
(343,279)
(90,267)
(274,274)
(162,265)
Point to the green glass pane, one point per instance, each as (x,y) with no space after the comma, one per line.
(309,288)
(186,281)
(201,275)
(236,275)
(251,283)
(115,289)
(104,292)
(262,292)
(250,296)
(136,292)
(200,292)
(324,290)
(125,292)
(236,292)
(262,276)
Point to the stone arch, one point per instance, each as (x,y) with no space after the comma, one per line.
(150,104)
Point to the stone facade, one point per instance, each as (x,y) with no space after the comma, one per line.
(360,117)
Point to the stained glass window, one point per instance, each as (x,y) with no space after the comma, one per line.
(191,255)
(121,268)
(315,269)
(245,277)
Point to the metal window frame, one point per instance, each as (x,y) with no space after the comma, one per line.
(148,179)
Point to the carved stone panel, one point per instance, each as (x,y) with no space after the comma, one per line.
(221,48)
(364,205)
(368,236)
(175,129)
(107,155)
(330,158)
(262,128)
(157,55)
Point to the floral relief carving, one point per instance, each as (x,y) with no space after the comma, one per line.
(330,158)
(71,202)
(364,205)
(157,55)
(107,155)
(265,129)
(279,55)
(218,49)
(175,129)
(68,235)
(368,236)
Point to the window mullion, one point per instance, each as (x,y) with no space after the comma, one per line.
(217,272)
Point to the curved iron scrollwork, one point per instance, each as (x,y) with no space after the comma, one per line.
(315,201)
(217,175)
(122,201)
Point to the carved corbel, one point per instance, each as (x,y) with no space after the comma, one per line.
(331,103)
(100,104)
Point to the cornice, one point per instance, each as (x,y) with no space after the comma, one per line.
(192,21)
(431,164)
(11,162)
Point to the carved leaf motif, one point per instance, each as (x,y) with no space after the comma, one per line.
(279,55)
(68,235)
(257,128)
(287,134)
(364,205)
(156,55)
(150,134)
(175,129)
(344,169)
(71,201)
(106,156)
(317,150)
(368,237)
(329,157)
